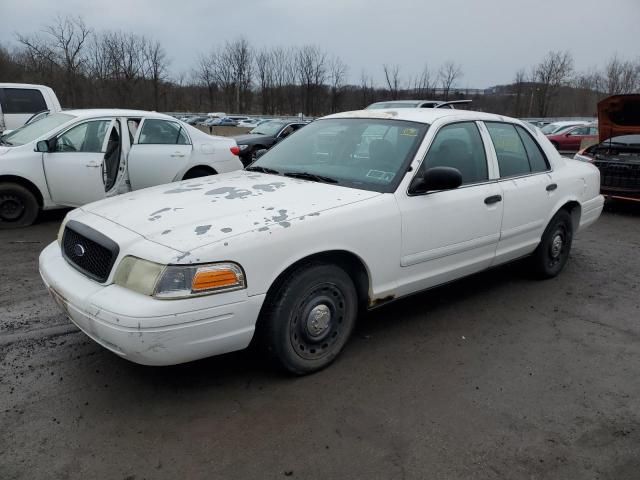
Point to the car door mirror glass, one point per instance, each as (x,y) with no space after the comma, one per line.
(437,178)
(42,146)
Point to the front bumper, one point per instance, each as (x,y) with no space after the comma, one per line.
(143,329)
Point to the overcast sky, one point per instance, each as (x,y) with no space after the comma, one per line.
(491,39)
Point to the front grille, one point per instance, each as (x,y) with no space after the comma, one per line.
(88,250)
(619,176)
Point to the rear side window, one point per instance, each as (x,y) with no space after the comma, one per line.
(537,160)
(21,100)
(460,146)
(162,132)
(512,157)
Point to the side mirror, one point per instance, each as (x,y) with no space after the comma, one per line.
(437,178)
(42,146)
(260,153)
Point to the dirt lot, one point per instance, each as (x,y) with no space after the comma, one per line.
(497,376)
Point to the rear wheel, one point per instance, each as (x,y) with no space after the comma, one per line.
(197,172)
(309,318)
(18,206)
(552,254)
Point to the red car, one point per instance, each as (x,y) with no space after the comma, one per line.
(571,139)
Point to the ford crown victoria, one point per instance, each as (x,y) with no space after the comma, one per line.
(354,210)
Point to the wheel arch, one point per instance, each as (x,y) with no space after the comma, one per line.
(574,208)
(211,170)
(355,267)
(29,185)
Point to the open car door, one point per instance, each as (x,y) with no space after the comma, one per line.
(74,165)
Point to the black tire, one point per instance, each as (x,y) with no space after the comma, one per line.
(552,253)
(18,206)
(198,172)
(308,320)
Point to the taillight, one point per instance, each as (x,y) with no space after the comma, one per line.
(235,150)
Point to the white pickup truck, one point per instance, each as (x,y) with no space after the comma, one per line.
(20,101)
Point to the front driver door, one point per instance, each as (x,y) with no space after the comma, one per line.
(74,165)
(452,233)
(161,150)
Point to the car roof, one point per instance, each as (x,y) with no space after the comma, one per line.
(118,112)
(421,115)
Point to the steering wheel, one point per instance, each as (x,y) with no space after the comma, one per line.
(64,145)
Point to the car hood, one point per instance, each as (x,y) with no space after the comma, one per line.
(619,115)
(250,139)
(4,150)
(189,214)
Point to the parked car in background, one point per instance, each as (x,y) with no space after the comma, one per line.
(617,155)
(195,120)
(75,157)
(264,136)
(250,122)
(435,196)
(559,127)
(571,139)
(393,104)
(20,101)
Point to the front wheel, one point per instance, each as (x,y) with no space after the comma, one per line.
(309,318)
(552,253)
(18,206)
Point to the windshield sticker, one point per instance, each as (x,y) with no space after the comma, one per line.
(409,132)
(380,175)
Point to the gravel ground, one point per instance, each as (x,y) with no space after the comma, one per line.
(496,376)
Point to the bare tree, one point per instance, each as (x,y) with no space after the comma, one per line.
(519,86)
(337,77)
(550,75)
(61,44)
(206,75)
(620,76)
(265,72)
(311,68)
(448,74)
(392,77)
(155,68)
(423,83)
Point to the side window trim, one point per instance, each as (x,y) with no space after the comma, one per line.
(511,177)
(544,157)
(430,142)
(82,122)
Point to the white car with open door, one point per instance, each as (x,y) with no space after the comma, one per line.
(353,211)
(76,157)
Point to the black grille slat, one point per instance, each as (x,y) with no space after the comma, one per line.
(619,176)
(89,251)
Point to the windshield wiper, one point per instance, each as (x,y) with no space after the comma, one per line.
(4,142)
(311,176)
(257,168)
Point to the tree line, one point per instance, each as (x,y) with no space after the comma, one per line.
(89,68)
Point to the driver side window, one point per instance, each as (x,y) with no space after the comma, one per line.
(87,137)
(460,146)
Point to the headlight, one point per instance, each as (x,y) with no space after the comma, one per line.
(178,281)
(243,147)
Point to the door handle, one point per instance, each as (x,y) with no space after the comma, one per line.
(177,154)
(551,187)
(493,199)
(92,165)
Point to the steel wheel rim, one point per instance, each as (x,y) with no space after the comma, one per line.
(318,321)
(557,247)
(11,208)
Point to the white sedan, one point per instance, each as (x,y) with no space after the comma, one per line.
(353,211)
(76,157)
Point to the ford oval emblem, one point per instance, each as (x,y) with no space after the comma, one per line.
(78,250)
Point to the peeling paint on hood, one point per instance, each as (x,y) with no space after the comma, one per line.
(222,207)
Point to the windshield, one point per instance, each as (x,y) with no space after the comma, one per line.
(270,128)
(369,154)
(380,106)
(28,133)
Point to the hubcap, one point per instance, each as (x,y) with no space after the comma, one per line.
(556,246)
(11,208)
(318,320)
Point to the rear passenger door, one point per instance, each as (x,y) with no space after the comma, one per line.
(527,189)
(161,150)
